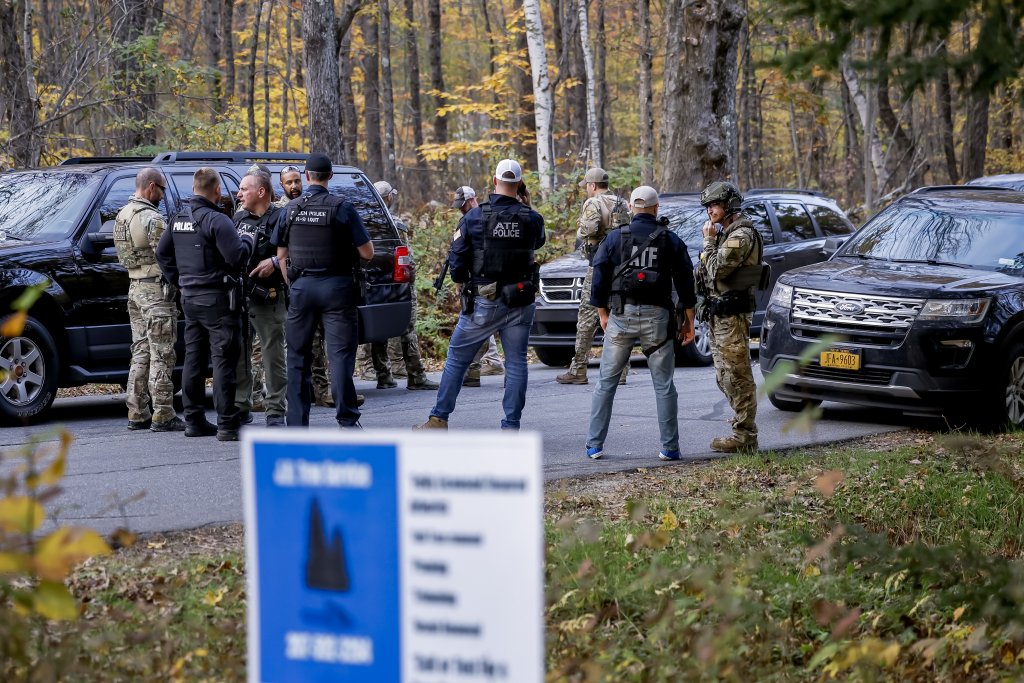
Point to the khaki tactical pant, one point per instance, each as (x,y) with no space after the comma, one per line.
(730,351)
(266,323)
(154,322)
(399,353)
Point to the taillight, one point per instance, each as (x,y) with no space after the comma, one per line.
(403,265)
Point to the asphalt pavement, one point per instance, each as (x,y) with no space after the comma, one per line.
(160,482)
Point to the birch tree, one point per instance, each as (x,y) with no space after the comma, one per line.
(541,94)
(588,61)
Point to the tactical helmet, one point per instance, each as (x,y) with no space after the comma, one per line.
(725,193)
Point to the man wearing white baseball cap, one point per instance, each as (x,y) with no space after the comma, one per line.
(492,254)
(634,271)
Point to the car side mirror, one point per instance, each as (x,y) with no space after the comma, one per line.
(832,245)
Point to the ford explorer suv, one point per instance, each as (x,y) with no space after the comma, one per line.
(925,304)
(794,224)
(56,226)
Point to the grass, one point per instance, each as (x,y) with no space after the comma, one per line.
(874,562)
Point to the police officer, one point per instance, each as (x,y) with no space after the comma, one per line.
(602,212)
(202,254)
(321,242)
(730,266)
(151,309)
(492,253)
(634,270)
(267,305)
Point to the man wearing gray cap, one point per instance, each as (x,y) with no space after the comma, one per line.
(602,212)
(634,270)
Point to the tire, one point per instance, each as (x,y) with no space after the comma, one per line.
(791,406)
(31,366)
(1008,398)
(698,352)
(555,356)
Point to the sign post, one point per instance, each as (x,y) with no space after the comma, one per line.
(394,557)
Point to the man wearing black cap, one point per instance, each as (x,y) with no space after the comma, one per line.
(492,254)
(202,255)
(320,245)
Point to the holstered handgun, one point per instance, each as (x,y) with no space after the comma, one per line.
(468,297)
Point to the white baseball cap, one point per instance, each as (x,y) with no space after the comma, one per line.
(644,197)
(383,188)
(508,171)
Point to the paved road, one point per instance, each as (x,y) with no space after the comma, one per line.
(192,482)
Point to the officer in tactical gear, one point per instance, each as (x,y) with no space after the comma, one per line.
(267,301)
(635,268)
(202,254)
(730,267)
(602,212)
(320,243)
(492,253)
(151,309)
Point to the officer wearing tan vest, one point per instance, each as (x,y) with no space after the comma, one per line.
(151,309)
(602,212)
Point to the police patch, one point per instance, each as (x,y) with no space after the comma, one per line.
(312,217)
(733,243)
(457,235)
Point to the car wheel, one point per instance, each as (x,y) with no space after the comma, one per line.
(697,352)
(1012,389)
(29,366)
(555,356)
(790,405)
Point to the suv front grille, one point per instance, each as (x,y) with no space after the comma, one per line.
(869,320)
(864,376)
(561,289)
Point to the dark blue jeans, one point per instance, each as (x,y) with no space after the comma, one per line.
(329,299)
(211,331)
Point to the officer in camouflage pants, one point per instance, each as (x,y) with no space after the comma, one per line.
(151,309)
(602,212)
(729,253)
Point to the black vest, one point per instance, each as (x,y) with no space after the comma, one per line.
(646,277)
(194,249)
(508,239)
(315,241)
(259,228)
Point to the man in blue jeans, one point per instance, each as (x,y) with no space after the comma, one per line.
(492,253)
(634,270)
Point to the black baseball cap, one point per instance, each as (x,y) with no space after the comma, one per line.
(319,163)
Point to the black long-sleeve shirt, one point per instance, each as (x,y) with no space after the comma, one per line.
(213,234)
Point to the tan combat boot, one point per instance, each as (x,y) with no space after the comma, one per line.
(571,377)
(433,423)
(733,444)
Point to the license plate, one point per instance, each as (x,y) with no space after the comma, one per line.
(840,358)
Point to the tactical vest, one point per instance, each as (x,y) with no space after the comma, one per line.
(258,227)
(507,254)
(131,255)
(645,277)
(194,252)
(614,216)
(314,243)
(753,273)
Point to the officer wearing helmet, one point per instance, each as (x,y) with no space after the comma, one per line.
(729,269)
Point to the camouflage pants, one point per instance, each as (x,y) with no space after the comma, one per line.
(398,355)
(321,372)
(154,322)
(266,324)
(729,335)
(586,327)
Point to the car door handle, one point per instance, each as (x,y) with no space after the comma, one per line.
(777,258)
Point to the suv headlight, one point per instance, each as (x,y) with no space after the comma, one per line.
(960,310)
(782,295)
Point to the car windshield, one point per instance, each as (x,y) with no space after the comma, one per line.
(686,221)
(988,239)
(38,205)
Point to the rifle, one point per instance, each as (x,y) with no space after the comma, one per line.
(439,280)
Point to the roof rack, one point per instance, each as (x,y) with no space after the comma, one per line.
(74,161)
(233,157)
(787,190)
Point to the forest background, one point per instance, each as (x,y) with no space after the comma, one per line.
(862,100)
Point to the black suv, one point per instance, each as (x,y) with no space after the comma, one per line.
(928,302)
(794,224)
(56,225)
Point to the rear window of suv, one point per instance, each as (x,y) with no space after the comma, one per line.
(353,188)
(39,205)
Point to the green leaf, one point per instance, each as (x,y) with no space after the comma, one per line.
(30,296)
(53,601)
(823,655)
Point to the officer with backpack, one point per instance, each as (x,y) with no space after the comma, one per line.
(730,268)
(601,213)
(635,268)
(492,253)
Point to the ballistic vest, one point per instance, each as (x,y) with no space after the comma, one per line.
(259,228)
(315,241)
(194,249)
(507,254)
(131,238)
(645,277)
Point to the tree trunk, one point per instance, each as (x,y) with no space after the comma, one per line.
(322,80)
(646,94)
(18,105)
(525,119)
(412,64)
(976,135)
(436,73)
(851,145)
(371,96)
(541,94)
(387,93)
(745,160)
(593,127)
(874,161)
(349,116)
(229,47)
(251,90)
(600,65)
(577,94)
(287,85)
(212,28)
(266,76)
(944,95)
(132,19)
(698,122)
